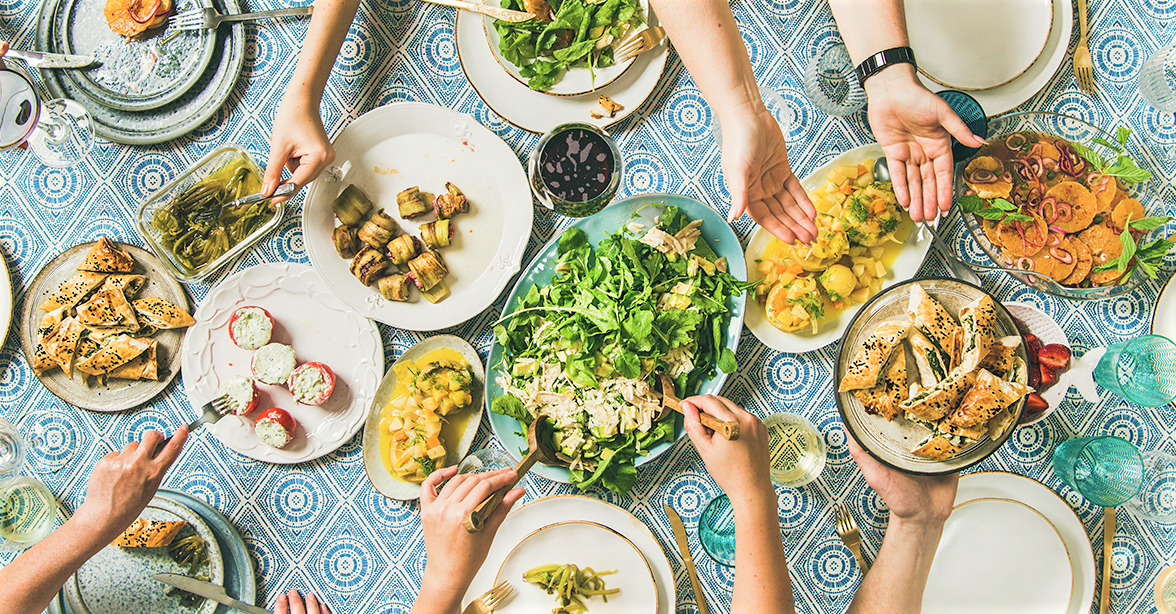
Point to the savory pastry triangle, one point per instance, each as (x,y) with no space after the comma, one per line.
(937,448)
(956,351)
(109,309)
(884,398)
(129,284)
(985,399)
(935,402)
(867,363)
(42,361)
(931,363)
(929,316)
(156,312)
(106,257)
(143,366)
(977,320)
(64,344)
(118,351)
(73,290)
(1002,355)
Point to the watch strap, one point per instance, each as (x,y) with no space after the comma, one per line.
(875,63)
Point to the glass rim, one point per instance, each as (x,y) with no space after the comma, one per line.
(535,175)
(1138,455)
(705,548)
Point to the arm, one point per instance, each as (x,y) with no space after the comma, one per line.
(299,141)
(121,485)
(913,126)
(453,555)
(755,158)
(740,468)
(919,506)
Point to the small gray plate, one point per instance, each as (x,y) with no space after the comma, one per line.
(117,394)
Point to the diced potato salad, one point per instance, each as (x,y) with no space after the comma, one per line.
(857,222)
(425,394)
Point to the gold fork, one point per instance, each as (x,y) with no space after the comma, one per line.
(1083,65)
(486,603)
(847,530)
(639,43)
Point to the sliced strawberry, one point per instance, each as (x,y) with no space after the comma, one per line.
(1048,376)
(1021,328)
(1034,344)
(1055,356)
(1034,403)
(1034,373)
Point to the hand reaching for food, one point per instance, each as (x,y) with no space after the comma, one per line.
(294,603)
(739,467)
(298,142)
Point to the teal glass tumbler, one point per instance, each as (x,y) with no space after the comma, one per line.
(1141,370)
(716,531)
(1107,470)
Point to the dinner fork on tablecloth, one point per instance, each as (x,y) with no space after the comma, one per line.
(1083,65)
(847,530)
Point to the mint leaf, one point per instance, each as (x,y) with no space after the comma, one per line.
(1004,205)
(970,203)
(1107,144)
(1148,223)
(1123,134)
(1130,175)
(991,213)
(1017,217)
(1093,158)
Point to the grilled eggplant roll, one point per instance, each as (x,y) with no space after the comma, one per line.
(346,242)
(394,287)
(378,230)
(411,203)
(450,204)
(427,270)
(402,249)
(369,265)
(352,205)
(437,234)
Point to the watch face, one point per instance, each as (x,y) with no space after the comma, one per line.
(18,108)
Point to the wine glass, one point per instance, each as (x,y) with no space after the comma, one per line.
(59,132)
(50,440)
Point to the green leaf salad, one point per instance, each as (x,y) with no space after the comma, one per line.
(586,349)
(567,34)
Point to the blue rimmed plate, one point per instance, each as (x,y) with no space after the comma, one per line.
(717,233)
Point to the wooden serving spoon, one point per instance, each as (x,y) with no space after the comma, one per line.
(476,519)
(729,430)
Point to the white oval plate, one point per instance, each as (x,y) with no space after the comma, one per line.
(373,464)
(575,82)
(1049,331)
(319,326)
(905,267)
(538,112)
(973,58)
(1164,314)
(540,513)
(998,484)
(415,144)
(1013,94)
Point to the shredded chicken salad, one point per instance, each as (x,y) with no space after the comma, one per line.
(586,350)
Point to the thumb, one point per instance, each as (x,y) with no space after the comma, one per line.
(273,168)
(957,128)
(737,186)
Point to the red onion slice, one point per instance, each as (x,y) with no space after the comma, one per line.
(136,12)
(1061,255)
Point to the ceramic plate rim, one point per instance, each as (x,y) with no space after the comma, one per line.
(239,552)
(372,463)
(7,306)
(797,344)
(516,201)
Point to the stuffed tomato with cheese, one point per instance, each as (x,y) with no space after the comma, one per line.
(242,395)
(275,427)
(251,327)
(311,383)
(273,363)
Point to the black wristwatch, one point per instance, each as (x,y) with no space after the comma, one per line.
(875,63)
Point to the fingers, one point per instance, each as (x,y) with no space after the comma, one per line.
(499,515)
(698,434)
(485,484)
(914,184)
(801,198)
(171,451)
(957,128)
(429,486)
(312,604)
(898,181)
(929,190)
(763,214)
(283,604)
(943,181)
(296,604)
(737,185)
(714,406)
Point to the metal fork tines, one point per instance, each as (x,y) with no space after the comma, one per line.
(1083,64)
(212,214)
(212,411)
(487,602)
(847,530)
(208,18)
(639,43)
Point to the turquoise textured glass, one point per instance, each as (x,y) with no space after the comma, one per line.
(972,114)
(716,531)
(1107,470)
(1141,370)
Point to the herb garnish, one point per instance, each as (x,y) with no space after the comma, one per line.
(1001,210)
(1121,165)
(1146,258)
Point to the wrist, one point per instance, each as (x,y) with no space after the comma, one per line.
(441,591)
(920,526)
(890,77)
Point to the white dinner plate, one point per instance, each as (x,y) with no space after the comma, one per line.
(1164,314)
(5,299)
(991,42)
(1048,331)
(583,544)
(397,146)
(1011,95)
(320,328)
(1001,485)
(905,267)
(539,112)
(541,513)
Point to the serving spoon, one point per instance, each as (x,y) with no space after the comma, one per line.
(475,520)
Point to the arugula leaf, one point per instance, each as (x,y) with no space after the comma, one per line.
(510,405)
(727,363)
(677,326)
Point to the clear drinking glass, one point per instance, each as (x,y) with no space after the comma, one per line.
(1107,470)
(51,442)
(28,512)
(59,132)
(1156,499)
(1157,79)
(831,83)
(1141,370)
(11,448)
(796,449)
(575,170)
(1165,593)
(485,461)
(716,531)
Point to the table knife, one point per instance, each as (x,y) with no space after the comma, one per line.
(38,59)
(493,11)
(684,549)
(208,590)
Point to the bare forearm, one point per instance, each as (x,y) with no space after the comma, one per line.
(870,26)
(32,580)
(707,38)
(896,582)
(325,36)
(439,594)
(762,585)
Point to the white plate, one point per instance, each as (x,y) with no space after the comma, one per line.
(319,326)
(118,580)
(974,56)
(905,267)
(583,544)
(1164,314)
(409,144)
(5,299)
(574,82)
(1014,93)
(1048,331)
(998,484)
(373,463)
(523,521)
(539,112)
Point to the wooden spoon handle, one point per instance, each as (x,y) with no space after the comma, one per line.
(475,520)
(729,430)
(1104,606)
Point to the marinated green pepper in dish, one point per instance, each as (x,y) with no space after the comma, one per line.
(569,583)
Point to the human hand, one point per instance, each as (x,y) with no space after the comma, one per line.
(739,467)
(914,128)
(298,142)
(910,497)
(3,50)
(293,603)
(755,166)
(123,482)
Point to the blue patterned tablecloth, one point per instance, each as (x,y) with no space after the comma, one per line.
(321,527)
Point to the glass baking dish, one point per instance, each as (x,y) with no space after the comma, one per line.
(200,171)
